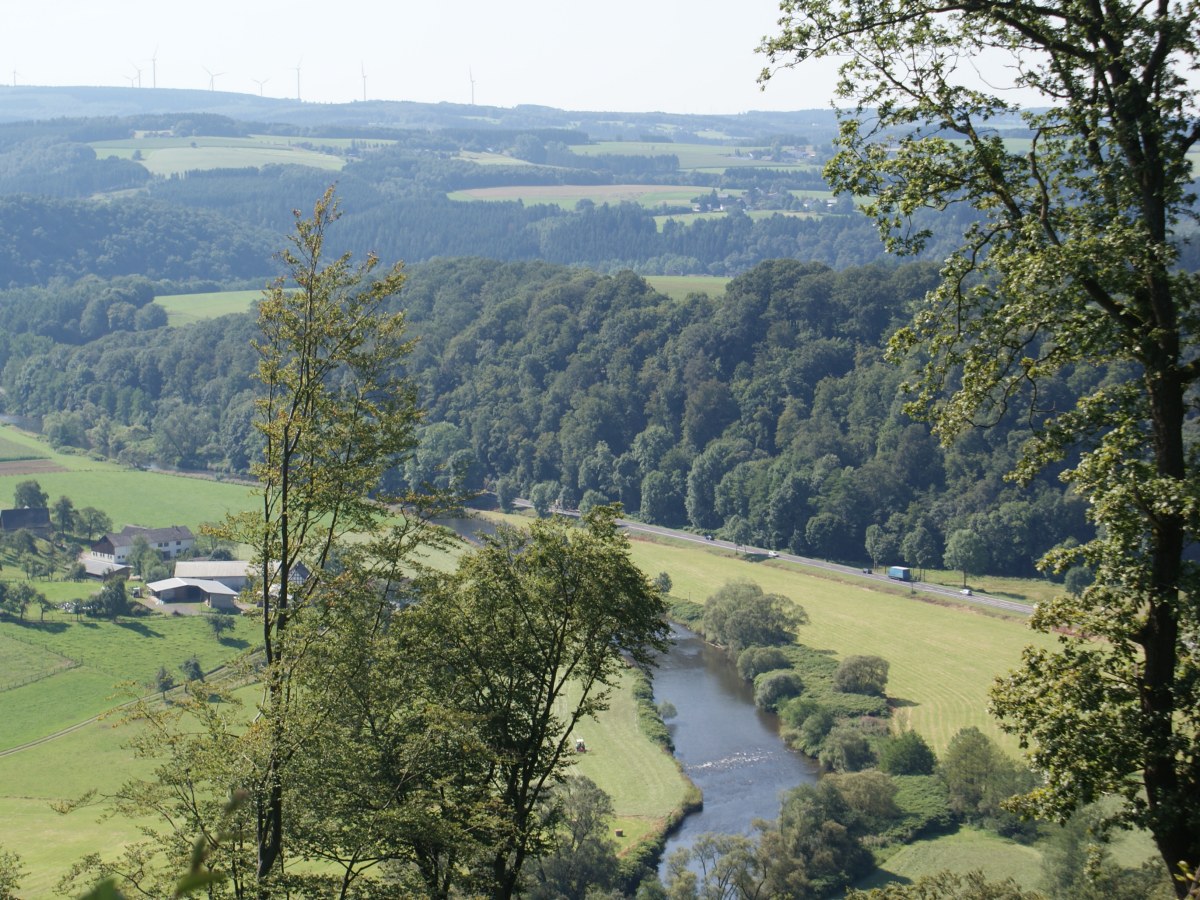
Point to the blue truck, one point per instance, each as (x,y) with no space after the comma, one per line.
(900,573)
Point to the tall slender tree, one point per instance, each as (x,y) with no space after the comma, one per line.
(334,417)
(1071,261)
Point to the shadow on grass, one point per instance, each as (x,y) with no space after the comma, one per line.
(48,627)
(233,643)
(143,630)
(901,703)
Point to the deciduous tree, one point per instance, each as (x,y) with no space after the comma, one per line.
(526,618)
(30,494)
(333,417)
(1071,261)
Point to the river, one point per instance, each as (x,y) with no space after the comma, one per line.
(726,745)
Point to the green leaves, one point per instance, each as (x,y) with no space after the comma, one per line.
(1070,261)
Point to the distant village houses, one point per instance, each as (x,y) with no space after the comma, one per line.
(109,556)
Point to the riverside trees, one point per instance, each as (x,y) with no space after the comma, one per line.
(1070,263)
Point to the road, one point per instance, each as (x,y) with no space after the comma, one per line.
(916,587)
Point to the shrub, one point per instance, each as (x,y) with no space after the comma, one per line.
(753,661)
(773,688)
(740,615)
(862,675)
(846,749)
(814,730)
(907,754)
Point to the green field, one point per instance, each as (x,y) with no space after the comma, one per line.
(83,663)
(963,851)
(643,780)
(183,309)
(651,196)
(176,155)
(130,497)
(680,287)
(943,658)
(710,157)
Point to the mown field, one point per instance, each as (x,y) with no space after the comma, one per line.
(183,309)
(943,658)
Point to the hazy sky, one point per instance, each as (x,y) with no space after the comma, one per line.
(687,56)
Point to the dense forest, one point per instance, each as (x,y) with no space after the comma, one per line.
(768,414)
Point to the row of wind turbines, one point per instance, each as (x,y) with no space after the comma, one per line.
(135,80)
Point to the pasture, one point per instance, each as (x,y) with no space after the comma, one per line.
(183,309)
(643,780)
(82,662)
(175,155)
(680,287)
(129,496)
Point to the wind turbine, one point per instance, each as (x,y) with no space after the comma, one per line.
(260,82)
(154,68)
(137,76)
(212,77)
(298,82)
(364,78)
(15,74)
(471,75)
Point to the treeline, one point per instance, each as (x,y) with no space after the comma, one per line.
(767,415)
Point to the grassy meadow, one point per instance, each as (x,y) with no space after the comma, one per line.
(943,658)
(183,309)
(680,287)
(705,157)
(644,782)
(568,196)
(129,496)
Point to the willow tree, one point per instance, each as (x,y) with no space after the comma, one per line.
(1072,261)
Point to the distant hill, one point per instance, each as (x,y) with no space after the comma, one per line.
(30,103)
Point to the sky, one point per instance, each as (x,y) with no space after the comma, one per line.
(684,56)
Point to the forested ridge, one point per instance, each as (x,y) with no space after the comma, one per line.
(767,414)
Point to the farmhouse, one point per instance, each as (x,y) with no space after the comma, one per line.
(35,519)
(171,542)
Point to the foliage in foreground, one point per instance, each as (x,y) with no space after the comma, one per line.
(1073,262)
